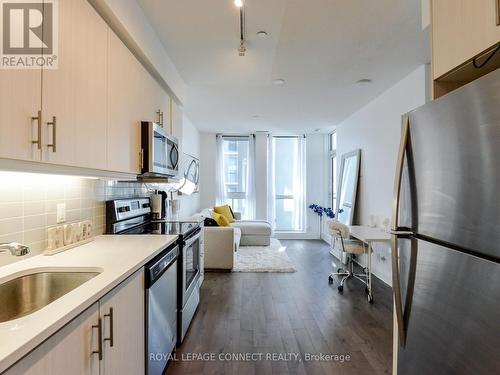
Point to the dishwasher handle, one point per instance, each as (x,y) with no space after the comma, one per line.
(156,268)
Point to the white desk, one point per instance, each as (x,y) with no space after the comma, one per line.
(369,235)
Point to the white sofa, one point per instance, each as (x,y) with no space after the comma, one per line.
(221,244)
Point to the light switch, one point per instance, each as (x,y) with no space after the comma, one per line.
(61,213)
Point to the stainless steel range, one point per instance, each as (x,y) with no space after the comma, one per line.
(133,216)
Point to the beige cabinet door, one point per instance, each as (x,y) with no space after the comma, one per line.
(69,351)
(159,102)
(122,314)
(461,29)
(20,100)
(89,84)
(126,93)
(74,94)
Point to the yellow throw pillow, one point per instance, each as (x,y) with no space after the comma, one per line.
(225,211)
(220,219)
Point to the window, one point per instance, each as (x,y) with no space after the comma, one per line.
(332,169)
(289,183)
(236,173)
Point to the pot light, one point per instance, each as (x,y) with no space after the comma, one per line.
(279,81)
(238,3)
(262,34)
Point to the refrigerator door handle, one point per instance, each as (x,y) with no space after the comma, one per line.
(399,172)
(403,314)
(398,304)
(396,287)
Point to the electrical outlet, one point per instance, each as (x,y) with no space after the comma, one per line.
(61,213)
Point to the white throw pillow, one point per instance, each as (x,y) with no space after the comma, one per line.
(207,212)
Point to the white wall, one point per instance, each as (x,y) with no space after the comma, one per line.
(190,145)
(375,129)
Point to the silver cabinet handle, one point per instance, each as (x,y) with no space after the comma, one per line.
(98,326)
(498,12)
(53,123)
(39,120)
(110,316)
(160,117)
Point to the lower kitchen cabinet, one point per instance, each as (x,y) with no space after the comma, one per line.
(69,351)
(122,314)
(79,347)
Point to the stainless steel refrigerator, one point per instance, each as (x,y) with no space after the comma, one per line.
(446,234)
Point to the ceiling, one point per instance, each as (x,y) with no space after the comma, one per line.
(320,47)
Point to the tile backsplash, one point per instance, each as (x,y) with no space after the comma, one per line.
(28,205)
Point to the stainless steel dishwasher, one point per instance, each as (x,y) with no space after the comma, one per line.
(161,309)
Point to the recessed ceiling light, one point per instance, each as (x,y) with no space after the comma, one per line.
(238,3)
(262,34)
(364,82)
(279,81)
(255,116)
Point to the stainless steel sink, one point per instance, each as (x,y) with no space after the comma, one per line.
(28,293)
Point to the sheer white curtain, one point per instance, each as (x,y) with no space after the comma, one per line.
(300,184)
(271,176)
(219,171)
(250,188)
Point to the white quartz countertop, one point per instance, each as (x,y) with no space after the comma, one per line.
(116,257)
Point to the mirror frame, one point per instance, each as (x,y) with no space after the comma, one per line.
(345,156)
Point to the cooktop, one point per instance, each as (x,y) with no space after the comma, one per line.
(179,228)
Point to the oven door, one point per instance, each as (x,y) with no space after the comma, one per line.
(191,265)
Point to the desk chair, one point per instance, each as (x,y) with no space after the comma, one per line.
(340,235)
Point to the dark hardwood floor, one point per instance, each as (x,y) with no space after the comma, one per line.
(289,313)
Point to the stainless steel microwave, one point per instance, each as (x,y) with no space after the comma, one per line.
(159,151)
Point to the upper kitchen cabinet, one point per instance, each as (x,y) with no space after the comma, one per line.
(20,101)
(133,96)
(74,95)
(464,34)
(125,95)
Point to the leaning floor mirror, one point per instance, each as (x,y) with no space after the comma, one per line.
(348,187)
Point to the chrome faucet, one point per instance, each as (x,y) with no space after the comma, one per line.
(15,248)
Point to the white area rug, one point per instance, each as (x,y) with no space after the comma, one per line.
(272,258)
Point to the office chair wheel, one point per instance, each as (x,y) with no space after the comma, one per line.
(330,280)
(370,298)
(339,270)
(340,288)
